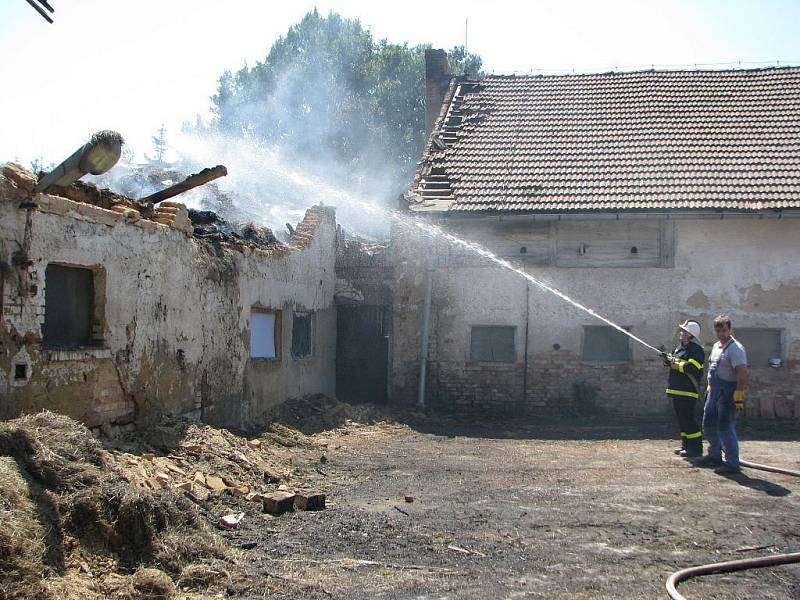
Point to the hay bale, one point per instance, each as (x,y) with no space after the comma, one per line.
(152,584)
(126,519)
(58,452)
(201,576)
(22,536)
(55,477)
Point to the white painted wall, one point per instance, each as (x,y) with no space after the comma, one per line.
(177,317)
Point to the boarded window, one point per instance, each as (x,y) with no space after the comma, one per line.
(614,244)
(761,344)
(301,335)
(68,307)
(524,241)
(265,333)
(492,344)
(605,345)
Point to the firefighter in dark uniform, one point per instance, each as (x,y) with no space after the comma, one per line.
(683,387)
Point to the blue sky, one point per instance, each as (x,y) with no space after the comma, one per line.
(132,66)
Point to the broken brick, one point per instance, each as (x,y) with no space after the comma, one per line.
(175,469)
(309,502)
(215,483)
(278,503)
(22,178)
(241,490)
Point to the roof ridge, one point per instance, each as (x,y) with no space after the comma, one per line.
(633,72)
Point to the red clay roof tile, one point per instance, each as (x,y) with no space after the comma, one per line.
(664,140)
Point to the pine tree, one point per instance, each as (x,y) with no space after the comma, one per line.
(160,144)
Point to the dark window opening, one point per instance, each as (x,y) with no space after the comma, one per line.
(634,250)
(301,335)
(492,344)
(523,250)
(760,345)
(605,345)
(68,307)
(20,371)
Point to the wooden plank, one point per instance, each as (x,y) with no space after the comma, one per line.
(505,242)
(192,181)
(608,244)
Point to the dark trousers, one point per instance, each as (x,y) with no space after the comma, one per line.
(691,436)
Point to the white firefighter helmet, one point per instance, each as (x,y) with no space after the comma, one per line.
(693,329)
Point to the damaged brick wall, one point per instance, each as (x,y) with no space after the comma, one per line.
(171,312)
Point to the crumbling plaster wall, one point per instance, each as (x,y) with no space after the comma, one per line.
(744,267)
(175,322)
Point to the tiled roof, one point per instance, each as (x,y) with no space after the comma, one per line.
(649,140)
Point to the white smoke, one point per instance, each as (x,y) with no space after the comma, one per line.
(310,158)
(267,186)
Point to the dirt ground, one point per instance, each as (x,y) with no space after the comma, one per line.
(418,507)
(509,511)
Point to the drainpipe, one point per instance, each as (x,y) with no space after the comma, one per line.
(426,325)
(527,322)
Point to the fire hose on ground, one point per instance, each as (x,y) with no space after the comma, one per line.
(727,567)
(735,565)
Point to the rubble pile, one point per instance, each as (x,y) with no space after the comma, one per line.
(199,461)
(155,512)
(316,413)
(209,226)
(144,510)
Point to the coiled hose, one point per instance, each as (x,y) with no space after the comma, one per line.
(735,565)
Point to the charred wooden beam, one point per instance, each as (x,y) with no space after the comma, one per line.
(192,181)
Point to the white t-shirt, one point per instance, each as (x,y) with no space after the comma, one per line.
(725,359)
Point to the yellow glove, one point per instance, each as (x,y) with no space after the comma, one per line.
(678,364)
(738,400)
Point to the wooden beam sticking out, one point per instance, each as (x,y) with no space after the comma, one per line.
(192,181)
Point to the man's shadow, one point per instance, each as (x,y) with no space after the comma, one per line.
(762,485)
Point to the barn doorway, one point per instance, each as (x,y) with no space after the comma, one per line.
(362,353)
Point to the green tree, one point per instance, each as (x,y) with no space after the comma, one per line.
(327,89)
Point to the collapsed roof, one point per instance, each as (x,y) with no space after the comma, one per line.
(204,225)
(649,140)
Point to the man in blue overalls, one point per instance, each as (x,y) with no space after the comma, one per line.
(727,381)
